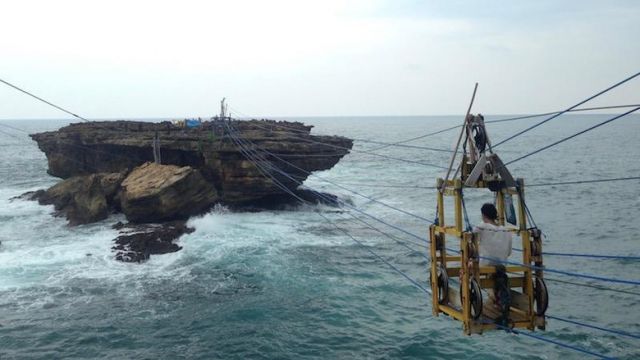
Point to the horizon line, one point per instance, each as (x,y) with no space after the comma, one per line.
(273,117)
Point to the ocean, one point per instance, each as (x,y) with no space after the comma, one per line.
(289,285)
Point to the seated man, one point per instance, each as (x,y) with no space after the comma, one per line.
(494,241)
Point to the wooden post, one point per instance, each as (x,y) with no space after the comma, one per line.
(435,307)
(500,206)
(527,286)
(455,153)
(441,221)
(156,149)
(470,142)
(458,205)
(466,300)
(442,225)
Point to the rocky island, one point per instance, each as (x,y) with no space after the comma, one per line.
(160,174)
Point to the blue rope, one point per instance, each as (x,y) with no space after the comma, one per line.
(419,286)
(345,188)
(569,109)
(43,100)
(464,209)
(395,238)
(572,136)
(403,145)
(569,273)
(338,185)
(585,181)
(368,248)
(526,208)
(358,210)
(593,277)
(416,138)
(530,216)
(499,121)
(306,132)
(10,134)
(552,341)
(555,112)
(591,181)
(366,152)
(266,173)
(613,331)
(562,272)
(414,282)
(593,256)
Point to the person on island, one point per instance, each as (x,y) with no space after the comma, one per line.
(494,241)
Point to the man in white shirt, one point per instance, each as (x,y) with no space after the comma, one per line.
(494,241)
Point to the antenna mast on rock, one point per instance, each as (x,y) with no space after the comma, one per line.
(223,109)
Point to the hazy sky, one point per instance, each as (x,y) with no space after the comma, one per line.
(269,58)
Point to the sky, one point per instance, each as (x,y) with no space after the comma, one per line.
(163,59)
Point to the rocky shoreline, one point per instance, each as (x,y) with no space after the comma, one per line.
(108,167)
(137,242)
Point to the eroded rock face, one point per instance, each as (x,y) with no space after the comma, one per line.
(154,192)
(137,242)
(107,168)
(85,198)
(120,146)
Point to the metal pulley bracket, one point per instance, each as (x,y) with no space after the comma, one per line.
(477,132)
(490,168)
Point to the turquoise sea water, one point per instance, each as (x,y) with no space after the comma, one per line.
(288,285)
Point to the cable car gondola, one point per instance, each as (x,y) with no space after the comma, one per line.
(515,295)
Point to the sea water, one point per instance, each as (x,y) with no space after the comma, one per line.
(290,285)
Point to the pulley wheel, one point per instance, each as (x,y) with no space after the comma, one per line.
(443,285)
(541,296)
(535,248)
(475,298)
(473,249)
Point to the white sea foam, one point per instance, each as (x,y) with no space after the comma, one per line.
(39,249)
(269,229)
(45,271)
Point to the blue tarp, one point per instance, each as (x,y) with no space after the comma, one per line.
(191,123)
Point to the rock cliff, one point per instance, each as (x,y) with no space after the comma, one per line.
(120,146)
(108,167)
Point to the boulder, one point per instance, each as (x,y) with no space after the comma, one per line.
(154,192)
(137,242)
(83,199)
